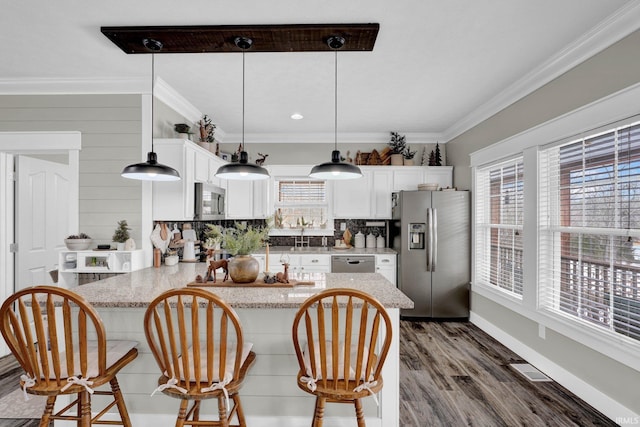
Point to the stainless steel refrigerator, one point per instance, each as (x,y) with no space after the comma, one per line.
(431,232)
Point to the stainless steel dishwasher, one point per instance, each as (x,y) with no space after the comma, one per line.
(353,264)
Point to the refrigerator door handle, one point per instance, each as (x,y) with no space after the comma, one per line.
(434,254)
(430,244)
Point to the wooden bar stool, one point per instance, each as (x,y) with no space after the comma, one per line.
(67,353)
(196,339)
(341,347)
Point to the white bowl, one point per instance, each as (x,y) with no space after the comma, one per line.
(77,244)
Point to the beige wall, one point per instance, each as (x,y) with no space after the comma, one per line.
(608,72)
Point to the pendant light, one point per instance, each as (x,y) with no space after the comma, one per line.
(151,170)
(242,170)
(335,169)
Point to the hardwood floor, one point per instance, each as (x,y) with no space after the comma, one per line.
(452,374)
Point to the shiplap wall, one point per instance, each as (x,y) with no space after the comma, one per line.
(111,138)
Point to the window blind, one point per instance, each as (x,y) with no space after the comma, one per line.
(589,238)
(295,192)
(498,226)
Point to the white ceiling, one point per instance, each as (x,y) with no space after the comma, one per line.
(435,64)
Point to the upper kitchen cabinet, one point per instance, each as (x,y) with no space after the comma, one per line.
(175,201)
(370,196)
(247,199)
(352,197)
(407,178)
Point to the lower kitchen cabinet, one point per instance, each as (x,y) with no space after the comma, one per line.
(312,263)
(386,265)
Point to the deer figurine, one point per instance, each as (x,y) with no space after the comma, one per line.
(262,158)
(283,277)
(213,266)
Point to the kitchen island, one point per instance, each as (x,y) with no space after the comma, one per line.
(270,394)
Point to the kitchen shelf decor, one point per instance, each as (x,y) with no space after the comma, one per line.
(78,242)
(121,235)
(397,144)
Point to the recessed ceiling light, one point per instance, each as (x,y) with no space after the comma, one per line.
(297,116)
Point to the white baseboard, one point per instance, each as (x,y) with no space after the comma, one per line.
(594,397)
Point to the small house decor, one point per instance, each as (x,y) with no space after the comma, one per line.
(397,144)
(121,235)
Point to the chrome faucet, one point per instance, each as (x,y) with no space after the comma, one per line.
(302,241)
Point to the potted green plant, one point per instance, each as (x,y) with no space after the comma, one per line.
(78,242)
(397,144)
(121,235)
(241,241)
(408,156)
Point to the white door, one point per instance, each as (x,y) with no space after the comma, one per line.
(42,218)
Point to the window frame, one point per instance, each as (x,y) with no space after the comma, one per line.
(613,111)
(483,232)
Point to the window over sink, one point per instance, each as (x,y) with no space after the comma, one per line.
(301,203)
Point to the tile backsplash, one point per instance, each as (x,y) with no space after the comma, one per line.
(354,226)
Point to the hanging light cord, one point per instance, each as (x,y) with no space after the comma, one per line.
(153,78)
(243,51)
(335,101)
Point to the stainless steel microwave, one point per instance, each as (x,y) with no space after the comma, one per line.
(209,202)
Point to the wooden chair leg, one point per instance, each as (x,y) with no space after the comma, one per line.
(122,407)
(182,413)
(84,409)
(319,412)
(48,410)
(359,413)
(222,411)
(196,411)
(239,411)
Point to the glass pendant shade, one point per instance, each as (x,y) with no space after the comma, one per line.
(242,170)
(335,169)
(150,170)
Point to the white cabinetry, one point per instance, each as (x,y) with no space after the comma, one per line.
(90,261)
(175,200)
(352,198)
(370,196)
(247,199)
(382,186)
(407,178)
(310,263)
(386,265)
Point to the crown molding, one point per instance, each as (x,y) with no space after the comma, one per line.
(168,95)
(613,29)
(328,137)
(66,86)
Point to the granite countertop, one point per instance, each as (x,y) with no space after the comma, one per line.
(138,288)
(330,250)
